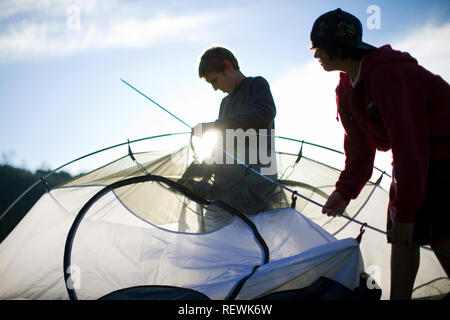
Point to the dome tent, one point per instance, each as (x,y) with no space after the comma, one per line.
(132,229)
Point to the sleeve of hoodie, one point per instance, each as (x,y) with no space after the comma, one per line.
(400,95)
(359,152)
(259,112)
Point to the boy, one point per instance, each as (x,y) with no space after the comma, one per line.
(386,100)
(250,108)
(249,103)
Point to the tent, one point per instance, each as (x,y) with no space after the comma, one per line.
(144,227)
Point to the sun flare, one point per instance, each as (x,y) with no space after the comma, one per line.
(205,145)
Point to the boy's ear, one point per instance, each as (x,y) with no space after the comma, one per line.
(228,66)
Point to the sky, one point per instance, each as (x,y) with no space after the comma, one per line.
(61,63)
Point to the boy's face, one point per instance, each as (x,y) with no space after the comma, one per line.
(324,59)
(221,80)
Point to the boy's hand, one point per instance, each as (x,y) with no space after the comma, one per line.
(334,205)
(201,128)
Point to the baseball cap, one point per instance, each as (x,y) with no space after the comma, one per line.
(338,26)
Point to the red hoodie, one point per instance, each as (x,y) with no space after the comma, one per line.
(395,104)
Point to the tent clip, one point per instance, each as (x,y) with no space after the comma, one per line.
(47,187)
(361,232)
(130,153)
(300,153)
(294,199)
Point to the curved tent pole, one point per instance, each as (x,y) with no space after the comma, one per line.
(178,187)
(128,143)
(326,148)
(170,134)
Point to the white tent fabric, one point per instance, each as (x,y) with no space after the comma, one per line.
(147,235)
(115,249)
(338,260)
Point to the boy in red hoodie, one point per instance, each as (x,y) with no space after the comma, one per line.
(386,100)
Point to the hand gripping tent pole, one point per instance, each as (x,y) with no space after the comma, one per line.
(293,192)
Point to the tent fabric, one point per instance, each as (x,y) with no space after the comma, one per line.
(115,249)
(325,289)
(150,234)
(337,260)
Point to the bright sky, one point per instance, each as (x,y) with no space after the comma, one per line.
(61,63)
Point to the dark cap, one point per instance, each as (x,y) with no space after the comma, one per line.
(336,27)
